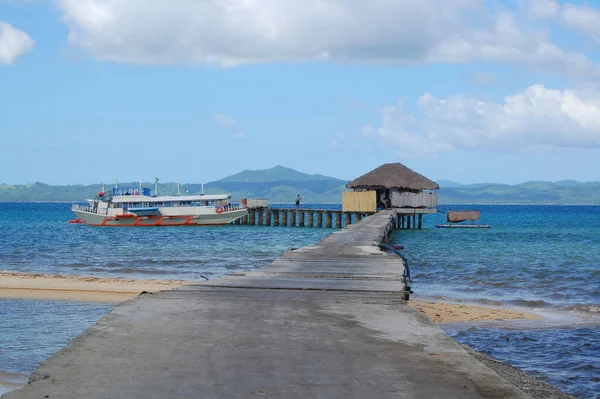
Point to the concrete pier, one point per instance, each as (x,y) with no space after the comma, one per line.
(326,321)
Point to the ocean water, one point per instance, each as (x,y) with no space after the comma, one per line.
(539,258)
(544,259)
(37,238)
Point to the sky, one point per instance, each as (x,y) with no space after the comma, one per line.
(502,91)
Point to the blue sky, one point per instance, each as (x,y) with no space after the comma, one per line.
(475,91)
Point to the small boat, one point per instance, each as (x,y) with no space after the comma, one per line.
(133,207)
(456,218)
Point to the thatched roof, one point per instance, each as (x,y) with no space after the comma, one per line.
(393,175)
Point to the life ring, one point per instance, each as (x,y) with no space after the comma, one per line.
(219,209)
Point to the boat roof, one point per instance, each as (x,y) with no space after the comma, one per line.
(145,198)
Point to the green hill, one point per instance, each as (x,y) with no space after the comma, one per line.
(281,184)
(535,192)
(278,184)
(277,173)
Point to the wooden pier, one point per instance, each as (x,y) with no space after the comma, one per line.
(403,219)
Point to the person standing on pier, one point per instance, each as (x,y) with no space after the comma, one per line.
(298,202)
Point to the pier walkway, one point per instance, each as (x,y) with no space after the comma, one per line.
(326,321)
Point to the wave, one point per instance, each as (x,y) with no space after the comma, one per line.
(583,308)
(128,270)
(531,304)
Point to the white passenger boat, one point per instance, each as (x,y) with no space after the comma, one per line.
(135,207)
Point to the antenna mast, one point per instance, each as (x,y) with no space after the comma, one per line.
(156,187)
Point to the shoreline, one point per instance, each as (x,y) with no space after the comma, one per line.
(14,285)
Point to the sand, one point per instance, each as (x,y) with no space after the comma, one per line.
(442,312)
(114,290)
(78,288)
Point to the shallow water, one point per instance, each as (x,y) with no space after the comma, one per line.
(31,331)
(535,258)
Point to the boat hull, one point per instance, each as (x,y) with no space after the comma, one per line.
(128,220)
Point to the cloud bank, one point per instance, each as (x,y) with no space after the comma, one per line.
(537,118)
(233,32)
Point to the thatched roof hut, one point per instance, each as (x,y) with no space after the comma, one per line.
(393,176)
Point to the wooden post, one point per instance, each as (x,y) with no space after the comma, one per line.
(328,220)
(245,219)
(275,217)
(301,219)
(408,222)
(414,222)
(338,219)
(319,219)
(284,218)
(261,217)
(311,218)
(420,221)
(358,217)
(252,217)
(293,218)
(268,217)
(348,218)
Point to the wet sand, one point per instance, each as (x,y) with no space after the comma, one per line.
(78,288)
(442,312)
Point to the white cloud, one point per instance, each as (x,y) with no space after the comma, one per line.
(13,43)
(583,18)
(535,118)
(224,120)
(368,131)
(234,32)
(543,8)
(228,124)
(337,140)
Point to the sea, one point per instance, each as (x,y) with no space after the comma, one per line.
(541,259)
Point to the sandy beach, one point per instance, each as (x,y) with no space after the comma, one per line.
(78,288)
(442,312)
(114,290)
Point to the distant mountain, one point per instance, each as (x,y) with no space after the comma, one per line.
(533,192)
(278,184)
(448,183)
(281,184)
(277,173)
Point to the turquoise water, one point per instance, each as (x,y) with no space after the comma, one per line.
(544,259)
(539,258)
